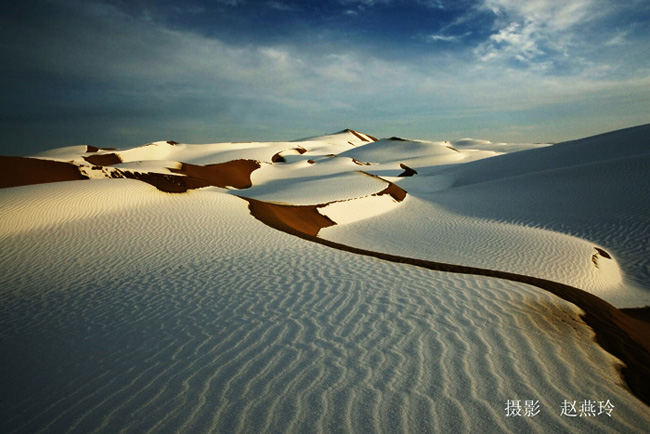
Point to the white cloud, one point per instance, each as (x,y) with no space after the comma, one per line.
(447,38)
(444,38)
(617,40)
(514,41)
(555,15)
(134,61)
(536,31)
(280,6)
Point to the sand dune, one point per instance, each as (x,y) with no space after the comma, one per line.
(594,188)
(103,159)
(16,171)
(626,337)
(235,174)
(303,295)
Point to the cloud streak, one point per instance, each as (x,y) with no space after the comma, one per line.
(135,77)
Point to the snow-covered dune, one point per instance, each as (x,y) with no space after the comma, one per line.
(304,286)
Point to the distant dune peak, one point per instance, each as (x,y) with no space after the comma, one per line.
(360,136)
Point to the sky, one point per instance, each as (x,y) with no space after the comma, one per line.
(121,73)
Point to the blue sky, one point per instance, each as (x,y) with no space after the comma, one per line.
(125,72)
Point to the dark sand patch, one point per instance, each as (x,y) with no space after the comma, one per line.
(407,171)
(293,219)
(620,334)
(374,139)
(92,149)
(640,313)
(103,159)
(603,253)
(236,173)
(277,158)
(360,137)
(600,253)
(397,193)
(163,182)
(17,171)
(360,163)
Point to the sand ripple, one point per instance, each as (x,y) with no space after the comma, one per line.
(216,323)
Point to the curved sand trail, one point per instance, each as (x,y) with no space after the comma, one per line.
(620,334)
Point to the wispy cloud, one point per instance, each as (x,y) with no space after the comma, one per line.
(363,3)
(230,2)
(551,14)
(618,39)
(137,73)
(447,38)
(280,6)
(536,32)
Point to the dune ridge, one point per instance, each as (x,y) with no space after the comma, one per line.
(299,339)
(17,171)
(625,337)
(127,309)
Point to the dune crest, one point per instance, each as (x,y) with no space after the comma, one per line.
(306,286)
(17,171)
(624,336)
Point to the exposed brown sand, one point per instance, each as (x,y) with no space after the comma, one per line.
(277,158)
(356,133)
(394,191)
(625,337)
(360,137)
(92,149)
(407,171)
(293,219)
(16,171)
(236,173)
(373,138)
(163,182)
(640,313)
(103,159)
